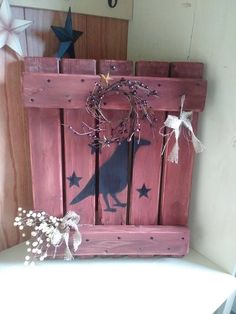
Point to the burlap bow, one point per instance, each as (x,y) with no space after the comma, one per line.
(176,124)
(62,234)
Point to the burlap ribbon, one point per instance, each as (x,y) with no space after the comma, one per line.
(62,234)
(177,124)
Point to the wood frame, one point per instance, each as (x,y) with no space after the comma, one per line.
(166,233)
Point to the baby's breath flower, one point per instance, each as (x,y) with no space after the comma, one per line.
(45,233)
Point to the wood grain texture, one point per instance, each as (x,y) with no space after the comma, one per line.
(115,67)
(42,41)
(106,38)
(78,66)
(45,148)
(148,161)
(177,179)
(113,177)
(38,40)
(78,156)
(114,160)
(15,179)
(132,241)
(39,93)
(187,69)
(152,68)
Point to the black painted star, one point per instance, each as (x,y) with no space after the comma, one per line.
(143,191)
(67,37)
(74,180)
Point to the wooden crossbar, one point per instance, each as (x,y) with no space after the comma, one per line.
(132,241)
(43,90)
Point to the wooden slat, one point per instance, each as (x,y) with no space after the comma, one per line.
(187,69)
(115,67)
(41,65)
(132,241)
(147,161)
(106,38)
(152,68)
(78,157)
(78,66)
(45,147)
(113,162)
(176,180)
(15,177)
(48,91)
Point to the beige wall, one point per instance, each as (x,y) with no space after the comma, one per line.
(201,30)
(123,10)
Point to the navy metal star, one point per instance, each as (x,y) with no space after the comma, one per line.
(74,180)
(143,191)
(67,37)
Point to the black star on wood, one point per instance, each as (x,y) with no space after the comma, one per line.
(74,180)
(143,191)
(67,37)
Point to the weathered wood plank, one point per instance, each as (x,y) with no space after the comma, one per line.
(177,179)
(115,67)
(187,69)
(15,177)
(147,163)
(41,65)
(45,148)
(113,178)
(48,91)
(152,68)
(113,160)
(106,38)
(79,161)
(78,66)
(132,241)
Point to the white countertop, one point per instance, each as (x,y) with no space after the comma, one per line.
(190,285)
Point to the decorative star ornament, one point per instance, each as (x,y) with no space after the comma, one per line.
(74,180)
(67,37)
(143,191)
(105,79)
(10,28)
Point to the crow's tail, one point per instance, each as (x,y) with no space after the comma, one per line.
(88,190)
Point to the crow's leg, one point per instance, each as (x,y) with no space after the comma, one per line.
(118,203)
(108,209)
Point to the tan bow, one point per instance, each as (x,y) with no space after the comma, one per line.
(176,124)
(62,234)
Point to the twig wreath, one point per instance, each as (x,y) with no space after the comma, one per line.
(137,95)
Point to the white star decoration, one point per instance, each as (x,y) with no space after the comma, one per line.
(10,28)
